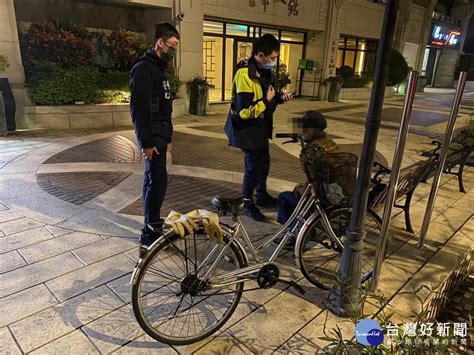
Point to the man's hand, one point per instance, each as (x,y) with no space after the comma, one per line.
(270,93)
(148,152)
(169,147)
(287,97)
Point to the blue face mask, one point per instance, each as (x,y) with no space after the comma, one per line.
(269,66)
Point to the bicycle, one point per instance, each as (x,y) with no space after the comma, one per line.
(185,289)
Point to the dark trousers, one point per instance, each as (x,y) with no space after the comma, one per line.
(257,166)
(286,202)
(155,183)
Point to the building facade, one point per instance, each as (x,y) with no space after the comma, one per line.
(216,34)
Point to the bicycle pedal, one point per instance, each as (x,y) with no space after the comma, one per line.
(292,283)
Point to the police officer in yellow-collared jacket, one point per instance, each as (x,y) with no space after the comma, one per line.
(249,124)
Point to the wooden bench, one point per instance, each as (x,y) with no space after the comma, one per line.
(409,179)
(459,153)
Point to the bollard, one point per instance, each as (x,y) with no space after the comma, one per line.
(442,158)
(394,175)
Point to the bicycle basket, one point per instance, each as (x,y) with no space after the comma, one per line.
(333,175)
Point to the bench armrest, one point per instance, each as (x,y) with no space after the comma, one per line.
(382,171)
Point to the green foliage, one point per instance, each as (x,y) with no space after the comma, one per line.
(356,82)
(4,65)
(69,45)
(72,45)
(397,70)
(339,344)
(466,63)
(198,81)
(124,48)
(49,84)
(175,84)
(345,72)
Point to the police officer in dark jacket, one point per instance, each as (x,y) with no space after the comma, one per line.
(150,108)
(249,124)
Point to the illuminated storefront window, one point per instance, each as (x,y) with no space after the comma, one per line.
(357,53)
(225,44)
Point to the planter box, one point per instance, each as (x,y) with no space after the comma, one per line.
(82,116)
(362,93)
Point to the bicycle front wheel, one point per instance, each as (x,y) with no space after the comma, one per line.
(319,255)
(171,303)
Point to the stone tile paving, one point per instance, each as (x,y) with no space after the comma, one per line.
(187,193)
(112,149)
(79,187)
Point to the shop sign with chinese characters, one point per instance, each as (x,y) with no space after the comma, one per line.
(293,5)
(332,57)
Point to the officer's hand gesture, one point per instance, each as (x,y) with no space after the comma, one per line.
(270,93)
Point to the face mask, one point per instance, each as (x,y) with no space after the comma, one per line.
(269,66)
(170,55)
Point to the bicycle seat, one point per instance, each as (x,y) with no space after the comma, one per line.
(230,205)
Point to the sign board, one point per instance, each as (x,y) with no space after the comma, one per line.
(305,64)
(331,68)
(445,36)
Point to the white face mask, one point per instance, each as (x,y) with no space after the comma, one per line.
(267,65)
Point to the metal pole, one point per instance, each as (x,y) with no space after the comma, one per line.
(394,175)
(345,297)
(442,157)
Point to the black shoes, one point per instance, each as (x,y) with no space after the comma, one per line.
(263,201)
(266,201)
(253,212)
(150,233)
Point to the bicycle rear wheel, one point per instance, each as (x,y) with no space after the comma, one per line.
(171,303)
(319,255)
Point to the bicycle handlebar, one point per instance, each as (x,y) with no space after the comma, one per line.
(288,135)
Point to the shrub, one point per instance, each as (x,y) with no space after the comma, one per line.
(175,84)
(4,65)
(398,69)
(356,81)
(50,84)
(67,44)
(466,63)
(345,72)
(124,48)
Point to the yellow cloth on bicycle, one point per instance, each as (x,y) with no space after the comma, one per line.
(182,223)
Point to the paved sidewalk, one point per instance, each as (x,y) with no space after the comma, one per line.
(70,214)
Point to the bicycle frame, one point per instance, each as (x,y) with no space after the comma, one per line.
(295,222)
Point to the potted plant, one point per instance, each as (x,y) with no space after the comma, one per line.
(283,76)
(198,94)
(7,101)
(335,86)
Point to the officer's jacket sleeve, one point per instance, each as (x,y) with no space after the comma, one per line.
(141,86)
(249,100)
